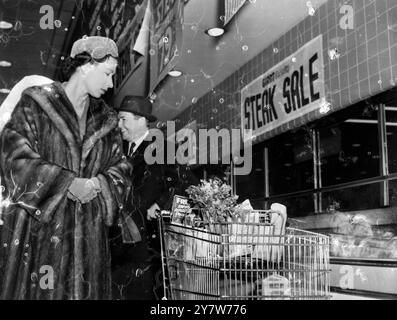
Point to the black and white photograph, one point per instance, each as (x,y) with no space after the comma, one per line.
(225,152)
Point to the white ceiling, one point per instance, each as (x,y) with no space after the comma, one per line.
(207,61)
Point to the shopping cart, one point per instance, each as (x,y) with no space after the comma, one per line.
(254,259)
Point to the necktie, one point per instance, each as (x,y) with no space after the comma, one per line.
(131,150)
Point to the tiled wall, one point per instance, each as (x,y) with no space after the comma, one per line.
(367,64)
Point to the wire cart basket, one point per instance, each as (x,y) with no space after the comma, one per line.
(254,259)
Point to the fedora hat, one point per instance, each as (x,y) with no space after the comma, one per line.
(138,105)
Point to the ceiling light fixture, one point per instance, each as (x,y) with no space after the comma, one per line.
(5,64)
(4,90)
(5,25)
(215,32)
(175,73)
(364,121)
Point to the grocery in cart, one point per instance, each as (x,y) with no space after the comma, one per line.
(252,258)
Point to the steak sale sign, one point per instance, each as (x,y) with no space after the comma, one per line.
(289,90)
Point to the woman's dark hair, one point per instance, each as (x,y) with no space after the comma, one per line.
(70,64)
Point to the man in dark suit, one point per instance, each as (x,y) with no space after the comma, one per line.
(135,241)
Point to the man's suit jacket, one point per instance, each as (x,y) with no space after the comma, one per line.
(156,183)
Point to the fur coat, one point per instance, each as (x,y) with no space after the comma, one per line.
(50,246)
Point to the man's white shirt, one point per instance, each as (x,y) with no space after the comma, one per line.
(137,142)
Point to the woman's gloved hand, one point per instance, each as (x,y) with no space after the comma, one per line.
(84,190)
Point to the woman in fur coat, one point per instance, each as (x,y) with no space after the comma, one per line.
(62,182)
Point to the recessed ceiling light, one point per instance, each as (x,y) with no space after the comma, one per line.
(215,32)
(4,90)
(5,63)
(175,73)
(5,25)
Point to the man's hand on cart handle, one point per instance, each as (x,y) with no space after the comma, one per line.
(153,212)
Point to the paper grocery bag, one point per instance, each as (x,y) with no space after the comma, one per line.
(240,232)
(269,244)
